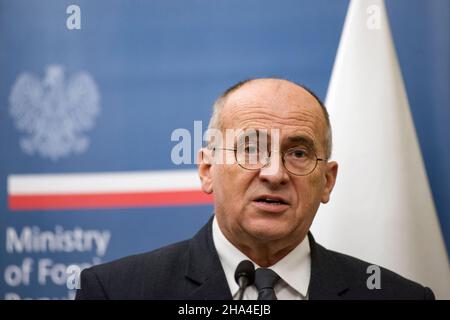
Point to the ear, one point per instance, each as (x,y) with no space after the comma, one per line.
(330,179)
(204,163)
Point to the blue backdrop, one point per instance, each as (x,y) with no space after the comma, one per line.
(159,65)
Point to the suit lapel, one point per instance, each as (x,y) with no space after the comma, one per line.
(327,279)
(204,268)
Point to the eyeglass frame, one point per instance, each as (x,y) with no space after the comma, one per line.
(283,153)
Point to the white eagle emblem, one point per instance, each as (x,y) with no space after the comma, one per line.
(54,114)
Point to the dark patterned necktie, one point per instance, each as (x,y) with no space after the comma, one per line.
(265,280)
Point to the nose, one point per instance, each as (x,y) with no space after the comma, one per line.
(274,172)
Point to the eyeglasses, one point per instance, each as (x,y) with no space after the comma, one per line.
(299,161)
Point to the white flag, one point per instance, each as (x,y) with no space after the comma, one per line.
(381,209)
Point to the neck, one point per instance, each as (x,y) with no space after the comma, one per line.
(266,256)
(265,253)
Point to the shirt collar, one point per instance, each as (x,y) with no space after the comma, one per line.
(294,268)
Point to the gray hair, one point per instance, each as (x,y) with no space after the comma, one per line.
(215,121)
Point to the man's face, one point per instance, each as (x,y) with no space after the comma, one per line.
(270,104)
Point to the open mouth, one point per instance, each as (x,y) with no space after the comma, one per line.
(271,200)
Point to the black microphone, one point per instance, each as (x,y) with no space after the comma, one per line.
(244,276)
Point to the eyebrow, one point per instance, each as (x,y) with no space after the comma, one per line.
(297,139)
(304,140)
(253,133)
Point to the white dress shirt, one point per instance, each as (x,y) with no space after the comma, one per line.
(294,269)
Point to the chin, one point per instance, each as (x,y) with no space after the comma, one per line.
(268,237)
(268,232)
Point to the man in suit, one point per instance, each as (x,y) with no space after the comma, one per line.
(267,181)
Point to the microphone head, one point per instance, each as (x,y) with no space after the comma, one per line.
(245,269)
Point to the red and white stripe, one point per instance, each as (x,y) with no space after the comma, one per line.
(105,190)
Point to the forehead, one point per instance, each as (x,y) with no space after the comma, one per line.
(270,104)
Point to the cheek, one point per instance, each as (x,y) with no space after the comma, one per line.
(230,190)
(229,184)
(309,191)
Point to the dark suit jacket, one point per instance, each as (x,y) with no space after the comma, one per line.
(191,269)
